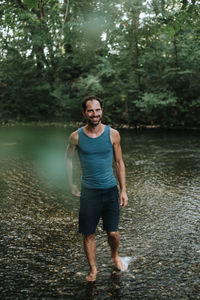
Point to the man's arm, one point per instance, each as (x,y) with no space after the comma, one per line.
(71,147)
(120,167)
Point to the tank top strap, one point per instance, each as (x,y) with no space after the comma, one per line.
(80,130)
(107,130)
(107,133)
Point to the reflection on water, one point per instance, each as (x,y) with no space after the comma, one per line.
(42,256)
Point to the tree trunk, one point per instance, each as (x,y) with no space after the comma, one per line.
(175,51)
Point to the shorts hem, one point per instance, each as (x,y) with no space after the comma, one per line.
(83,233)
(111,230)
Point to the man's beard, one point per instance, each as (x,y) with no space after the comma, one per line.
(95,123)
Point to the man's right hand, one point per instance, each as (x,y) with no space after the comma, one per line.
(75,191)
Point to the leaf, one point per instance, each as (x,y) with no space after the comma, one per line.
(31,3)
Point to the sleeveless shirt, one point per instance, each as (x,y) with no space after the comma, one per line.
(96,157)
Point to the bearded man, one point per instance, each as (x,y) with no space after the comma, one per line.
(97,144)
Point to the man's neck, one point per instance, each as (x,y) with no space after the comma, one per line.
(94,130)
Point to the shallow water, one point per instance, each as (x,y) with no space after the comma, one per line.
(41,252)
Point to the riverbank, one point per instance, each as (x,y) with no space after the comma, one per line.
(42,124)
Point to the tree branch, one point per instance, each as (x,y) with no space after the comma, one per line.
(66,14)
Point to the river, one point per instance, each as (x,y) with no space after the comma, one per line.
(41,251)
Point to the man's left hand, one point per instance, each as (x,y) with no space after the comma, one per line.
(123,199)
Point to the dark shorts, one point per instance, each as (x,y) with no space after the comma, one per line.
(96,204)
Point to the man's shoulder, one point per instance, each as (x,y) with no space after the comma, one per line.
(74,137)
(114,134)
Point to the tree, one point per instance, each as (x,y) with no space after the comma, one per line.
(141,57)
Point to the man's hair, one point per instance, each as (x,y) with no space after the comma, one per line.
(90,98)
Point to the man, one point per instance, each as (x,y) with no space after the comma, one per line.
(96,143)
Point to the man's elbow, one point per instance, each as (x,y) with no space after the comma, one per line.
(120,164)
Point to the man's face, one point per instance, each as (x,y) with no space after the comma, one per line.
(93,112)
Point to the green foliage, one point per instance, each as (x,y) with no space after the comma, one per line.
(31,3)
(143,60)
(155,107)
(88,85)
(150,102)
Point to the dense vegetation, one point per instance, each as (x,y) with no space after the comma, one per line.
(141,57)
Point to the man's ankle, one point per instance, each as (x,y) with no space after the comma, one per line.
(93,267)
(114,256)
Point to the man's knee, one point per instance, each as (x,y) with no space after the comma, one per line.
(113,234)
(88,237)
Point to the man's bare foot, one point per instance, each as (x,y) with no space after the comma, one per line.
(120,265)
(92,276)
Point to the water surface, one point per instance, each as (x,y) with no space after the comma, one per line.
(41,251)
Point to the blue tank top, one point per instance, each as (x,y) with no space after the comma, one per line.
(96,157)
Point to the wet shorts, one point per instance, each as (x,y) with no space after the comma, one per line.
(96,204)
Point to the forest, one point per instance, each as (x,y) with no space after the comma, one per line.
(141,57)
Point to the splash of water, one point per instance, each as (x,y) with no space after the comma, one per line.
(126,261)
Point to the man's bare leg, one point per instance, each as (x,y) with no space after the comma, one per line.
(90,250)
(113,240)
